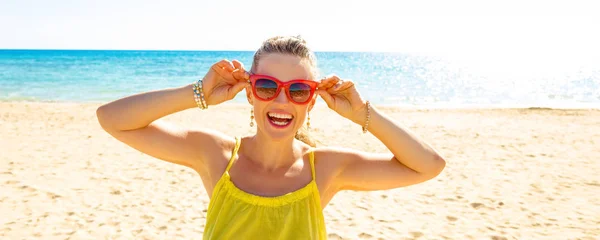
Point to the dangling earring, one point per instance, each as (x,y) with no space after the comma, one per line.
(251,117)
(308,122)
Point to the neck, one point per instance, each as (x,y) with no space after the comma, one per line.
(273,155)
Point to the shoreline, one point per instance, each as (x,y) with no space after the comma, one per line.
(592,107)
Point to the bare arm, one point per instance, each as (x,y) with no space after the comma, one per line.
(411,160)
(133,121)
(138,111)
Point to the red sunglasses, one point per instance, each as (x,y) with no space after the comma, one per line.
(267,88)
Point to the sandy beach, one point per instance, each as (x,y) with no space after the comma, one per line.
(511,174)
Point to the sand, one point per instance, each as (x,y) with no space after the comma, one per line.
(511,174)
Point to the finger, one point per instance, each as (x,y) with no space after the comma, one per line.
(223,65)
(238,87)
(330,82)
(238,65)
(334,88)
(240,75)
(327,80)
(326,97)
(342,86)
(322,82)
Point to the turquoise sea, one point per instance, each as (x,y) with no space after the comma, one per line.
(384,78)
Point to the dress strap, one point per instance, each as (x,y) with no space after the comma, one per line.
(312,163)
(233,153)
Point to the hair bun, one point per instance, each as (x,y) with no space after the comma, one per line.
(299,37)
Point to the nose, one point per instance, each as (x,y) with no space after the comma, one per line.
(281,97)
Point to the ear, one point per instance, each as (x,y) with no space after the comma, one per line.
(312,103)
(249,95)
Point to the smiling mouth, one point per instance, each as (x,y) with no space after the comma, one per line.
(280,119)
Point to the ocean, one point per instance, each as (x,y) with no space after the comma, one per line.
(383,78)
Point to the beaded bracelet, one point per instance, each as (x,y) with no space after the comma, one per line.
(199,95)
(368,117)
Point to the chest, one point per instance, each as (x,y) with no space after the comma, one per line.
(251,179)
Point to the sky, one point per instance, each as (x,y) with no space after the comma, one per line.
(460,27)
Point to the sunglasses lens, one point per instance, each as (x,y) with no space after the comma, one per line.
(300,92)
(265,88)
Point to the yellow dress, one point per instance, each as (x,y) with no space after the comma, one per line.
(235,214)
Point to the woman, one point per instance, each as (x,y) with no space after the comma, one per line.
(271,185)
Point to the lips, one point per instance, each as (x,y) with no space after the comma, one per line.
(280,119)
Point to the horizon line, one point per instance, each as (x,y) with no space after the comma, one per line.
(180,50)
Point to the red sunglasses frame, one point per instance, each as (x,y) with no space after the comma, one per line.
(285,85)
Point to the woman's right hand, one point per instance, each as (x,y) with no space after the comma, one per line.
(223,81)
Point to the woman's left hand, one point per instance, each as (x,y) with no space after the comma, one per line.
(342,97)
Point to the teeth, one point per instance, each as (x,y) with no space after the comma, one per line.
(280,115)
(279,123)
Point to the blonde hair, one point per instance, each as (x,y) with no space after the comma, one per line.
(295,46)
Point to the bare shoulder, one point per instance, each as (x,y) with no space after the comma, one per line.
(217,149)
(329,165)
(211,139)
(214,144)
(330,160)
(339,156)
(342,156)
